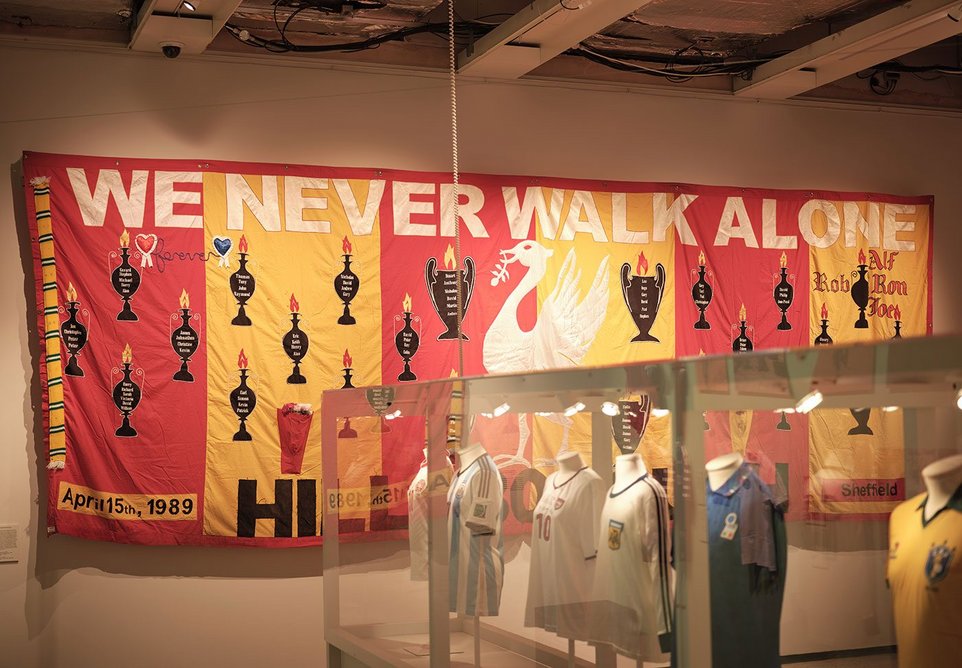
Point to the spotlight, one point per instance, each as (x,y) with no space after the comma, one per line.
(958,399)
(502,409)
(188,6)
(610,408)
(808,403)
(576,407)
(659,412)
(889,409)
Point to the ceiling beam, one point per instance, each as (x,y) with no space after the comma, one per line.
(538,33)
(894,33)
(162,22)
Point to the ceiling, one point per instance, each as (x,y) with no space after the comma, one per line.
(752,48)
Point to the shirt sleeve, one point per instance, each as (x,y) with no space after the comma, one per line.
(657,551)
(484,498)
(756,517)
(591,517)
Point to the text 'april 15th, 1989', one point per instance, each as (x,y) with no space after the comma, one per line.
(115,506)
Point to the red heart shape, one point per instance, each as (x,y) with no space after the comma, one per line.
(146,243)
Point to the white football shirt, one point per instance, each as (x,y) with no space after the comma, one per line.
(476,562)
(564,541)
(632,591)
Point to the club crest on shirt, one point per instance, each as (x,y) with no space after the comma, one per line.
(420,486)
(459,493)
(558,503)
(938,562)
(614,534)
(480,510)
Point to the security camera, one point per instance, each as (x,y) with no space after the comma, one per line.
(171,49)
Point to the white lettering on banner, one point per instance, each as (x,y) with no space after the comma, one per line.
(93,206)
(405,207)
(727,229)
(166,196)
(520,214)
(467,210)
(665,216)
(893,226)
(619,222)
(296,203)
(867,226)
(833,223)
(582,201)
(266,211)
(361,223)
(770,236)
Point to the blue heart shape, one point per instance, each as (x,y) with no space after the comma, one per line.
(222,245)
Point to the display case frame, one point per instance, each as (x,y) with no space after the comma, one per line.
(914,374)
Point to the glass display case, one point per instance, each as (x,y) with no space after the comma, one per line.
(576,523)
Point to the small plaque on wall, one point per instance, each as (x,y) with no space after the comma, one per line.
(9,548)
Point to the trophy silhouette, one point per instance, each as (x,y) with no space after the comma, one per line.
(643,295)
(184,340)
(127,393)
(742,343)
(443,288)
(407,340)
(701,293)
(296,343)
(897,314)
(860,291)
(73,333)
(784,293)
(824,338)
(628,426)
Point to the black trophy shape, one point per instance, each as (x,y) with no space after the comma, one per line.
(443,289)
(824,339)
(860,291)
(242,286)
(643,296)
(184,340)
(347,359)
(701,294)
(346,285)
(126,395)
(861,416)
(295,345)
(73,333)
(897,314)
(741,343)
(783,424)
(784,294)
(628,426)
(242,400)
(407,341)
(125,279)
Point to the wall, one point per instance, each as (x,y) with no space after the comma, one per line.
(78,604)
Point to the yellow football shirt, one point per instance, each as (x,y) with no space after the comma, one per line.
(925,574)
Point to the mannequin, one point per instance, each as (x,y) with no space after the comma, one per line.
(628,468)
(468,455)
(722,468)
(570,463)
(942,479)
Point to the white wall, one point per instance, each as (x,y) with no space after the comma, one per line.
(78,604)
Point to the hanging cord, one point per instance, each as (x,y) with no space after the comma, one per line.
(455,175)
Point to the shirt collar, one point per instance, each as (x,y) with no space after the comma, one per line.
(954,503)
(734,483)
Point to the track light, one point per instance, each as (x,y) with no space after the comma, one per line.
(502,409)
(659,412)
(189,6)
(610,408)
(889,409)
(808,403)
(576,407)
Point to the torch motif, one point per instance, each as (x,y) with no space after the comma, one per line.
(242,399)
(242,285)
(824,338)
(295,344)
(407,341)
(347,360)
(860,290)
(126,394)
(73,332)
(643,295)
(784,292)
(125,279)
(346,285)
(443,290)
(184,339)
(701,292)
(742,344)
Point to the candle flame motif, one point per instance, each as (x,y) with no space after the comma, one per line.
(742,313)
(897,312)
(127,356)
(184,299)
(347,359)
(701,353)
(241,360)
(701,258)
(124,239)
(449,257)
(346,246)
(406,304)
(783,261)
(295,307)
(861,256)
(71,293)
(453,374)
(642,267)
(242,246)
(824,312)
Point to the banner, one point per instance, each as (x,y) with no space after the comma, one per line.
(189,309)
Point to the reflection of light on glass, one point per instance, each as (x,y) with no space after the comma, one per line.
(660,412)
(889,409)
(787,409)
(392,416)
(487,415)
(544,414)
(958,400)
(502,409)
(610,408)
(576,407)
(809,402)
